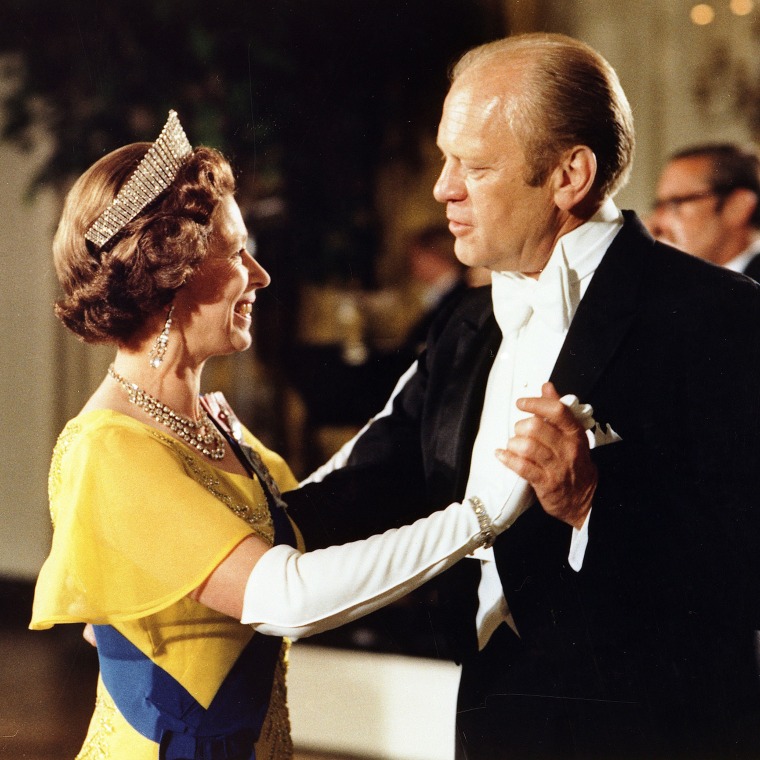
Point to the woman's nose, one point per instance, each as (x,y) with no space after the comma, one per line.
(258,276)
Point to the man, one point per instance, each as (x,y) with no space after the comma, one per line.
(708,204)
(614,618)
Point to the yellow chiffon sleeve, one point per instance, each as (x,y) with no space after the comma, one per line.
(137,524)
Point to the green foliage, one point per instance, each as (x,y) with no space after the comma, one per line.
(99,75)
(306,97)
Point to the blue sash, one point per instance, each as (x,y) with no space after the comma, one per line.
(161,709)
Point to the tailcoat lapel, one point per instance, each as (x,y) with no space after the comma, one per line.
(604,314)
(456,424)
(457,396)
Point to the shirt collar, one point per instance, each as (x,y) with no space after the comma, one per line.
(565,277)
(584,247)
(739,263)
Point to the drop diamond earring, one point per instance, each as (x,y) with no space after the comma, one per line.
(156,354)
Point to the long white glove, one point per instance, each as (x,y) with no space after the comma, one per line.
(296,594)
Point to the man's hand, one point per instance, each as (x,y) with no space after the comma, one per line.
(550,450)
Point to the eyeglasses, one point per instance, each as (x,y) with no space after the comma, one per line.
(674,204)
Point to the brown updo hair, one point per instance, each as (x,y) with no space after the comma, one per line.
(111,292)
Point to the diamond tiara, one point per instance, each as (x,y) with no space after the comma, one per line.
(153,175)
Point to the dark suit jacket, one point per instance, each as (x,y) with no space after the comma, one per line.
(417,335)
(647,651)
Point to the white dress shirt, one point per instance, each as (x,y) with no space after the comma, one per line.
(739,263)
(532,339)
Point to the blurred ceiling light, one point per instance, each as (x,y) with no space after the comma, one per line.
(702,14)
(741,7)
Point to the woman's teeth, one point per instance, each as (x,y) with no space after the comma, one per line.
(244,309)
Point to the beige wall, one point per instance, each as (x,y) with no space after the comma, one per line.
(660,56)
(27,378)
(46,375)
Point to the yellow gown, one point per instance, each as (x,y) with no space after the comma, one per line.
(140,520)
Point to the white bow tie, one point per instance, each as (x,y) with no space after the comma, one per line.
(517,297)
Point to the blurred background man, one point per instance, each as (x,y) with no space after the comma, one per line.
(707,205)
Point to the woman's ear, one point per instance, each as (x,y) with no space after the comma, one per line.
(574,177)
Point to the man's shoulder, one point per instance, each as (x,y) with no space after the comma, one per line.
(670,273)
(681,272)
(472,308)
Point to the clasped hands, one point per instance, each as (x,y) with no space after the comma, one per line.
(550,450)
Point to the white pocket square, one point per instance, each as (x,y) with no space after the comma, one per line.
(600,436)
(584,413)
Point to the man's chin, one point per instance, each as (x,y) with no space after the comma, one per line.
(468,254)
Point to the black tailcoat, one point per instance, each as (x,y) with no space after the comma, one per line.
(647,651)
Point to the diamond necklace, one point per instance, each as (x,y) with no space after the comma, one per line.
(201,434)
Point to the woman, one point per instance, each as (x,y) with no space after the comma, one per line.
(169,533)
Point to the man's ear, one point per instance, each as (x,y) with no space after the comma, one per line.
(738,206)
(574,177)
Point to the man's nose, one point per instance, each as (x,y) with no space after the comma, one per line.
(449,186)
